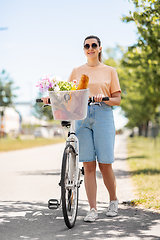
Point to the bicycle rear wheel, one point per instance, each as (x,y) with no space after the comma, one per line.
(69,188)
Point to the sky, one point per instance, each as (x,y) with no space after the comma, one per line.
(46,37)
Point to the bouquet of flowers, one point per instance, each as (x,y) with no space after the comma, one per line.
(66,106)
(54,84)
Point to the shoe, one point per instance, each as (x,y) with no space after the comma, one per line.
(112,209)
(91,216)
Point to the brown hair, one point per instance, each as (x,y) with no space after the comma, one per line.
(99,42)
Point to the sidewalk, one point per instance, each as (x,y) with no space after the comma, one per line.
(125,188)
(29,178)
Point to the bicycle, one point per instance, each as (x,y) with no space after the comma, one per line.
(70,173)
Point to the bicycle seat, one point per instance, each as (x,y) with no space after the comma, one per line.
(65,124)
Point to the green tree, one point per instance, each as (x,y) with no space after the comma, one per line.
(6,89)
(137,93)
(40,111)
(143,60)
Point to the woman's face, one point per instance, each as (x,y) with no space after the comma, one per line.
(92,51)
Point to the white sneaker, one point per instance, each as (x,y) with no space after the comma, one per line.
(112,209)
(91,216)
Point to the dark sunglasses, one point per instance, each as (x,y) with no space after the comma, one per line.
(87,46)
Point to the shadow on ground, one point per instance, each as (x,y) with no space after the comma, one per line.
(33,220)
(140,157)
(55,172)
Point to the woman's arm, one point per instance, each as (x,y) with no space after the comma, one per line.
(115,99)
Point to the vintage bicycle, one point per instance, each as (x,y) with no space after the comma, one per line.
(68,107)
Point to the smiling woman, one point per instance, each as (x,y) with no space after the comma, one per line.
(96,133)
(93,46)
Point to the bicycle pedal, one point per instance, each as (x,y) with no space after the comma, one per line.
(53,204)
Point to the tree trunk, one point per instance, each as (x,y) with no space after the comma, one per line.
(140,130)
(146,129)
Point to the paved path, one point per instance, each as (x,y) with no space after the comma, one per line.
(28,178)
(125,189)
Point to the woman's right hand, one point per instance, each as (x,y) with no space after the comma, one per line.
(45,100)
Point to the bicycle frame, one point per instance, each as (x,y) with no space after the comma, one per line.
(73,140)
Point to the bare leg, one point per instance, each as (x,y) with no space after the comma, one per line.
(90,182)
(109,179)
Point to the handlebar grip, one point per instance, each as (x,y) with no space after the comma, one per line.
(40,100)
(105,99)
(91,99)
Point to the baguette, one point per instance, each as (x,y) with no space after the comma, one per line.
(83,83)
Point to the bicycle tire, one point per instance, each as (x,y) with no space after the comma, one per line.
(69,195)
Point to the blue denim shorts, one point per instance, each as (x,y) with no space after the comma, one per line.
(96,134)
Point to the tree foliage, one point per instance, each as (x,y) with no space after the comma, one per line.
(141,62)
(6,89)
(40,111)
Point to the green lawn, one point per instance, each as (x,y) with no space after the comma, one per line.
(10,144)
(144,161)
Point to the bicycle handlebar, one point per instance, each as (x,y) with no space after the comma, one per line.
(90,100)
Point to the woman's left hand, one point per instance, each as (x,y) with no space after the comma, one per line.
(98,97)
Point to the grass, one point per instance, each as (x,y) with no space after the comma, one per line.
(144,162)
(11,144)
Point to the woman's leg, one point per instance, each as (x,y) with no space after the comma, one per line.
(109,179)
(90,182)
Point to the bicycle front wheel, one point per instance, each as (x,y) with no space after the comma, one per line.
(69,188)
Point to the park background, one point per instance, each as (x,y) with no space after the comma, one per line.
(46,37)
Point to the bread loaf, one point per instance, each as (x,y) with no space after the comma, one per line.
(83,83)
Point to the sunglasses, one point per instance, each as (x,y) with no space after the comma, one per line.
(87,46)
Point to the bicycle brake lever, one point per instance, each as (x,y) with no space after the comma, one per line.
(46,105)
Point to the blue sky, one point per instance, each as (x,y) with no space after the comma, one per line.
(46,37)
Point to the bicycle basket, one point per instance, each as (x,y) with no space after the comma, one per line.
(69,105)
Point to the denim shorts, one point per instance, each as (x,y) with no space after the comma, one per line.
(96,134)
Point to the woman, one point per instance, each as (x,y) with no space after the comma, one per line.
(96,133)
